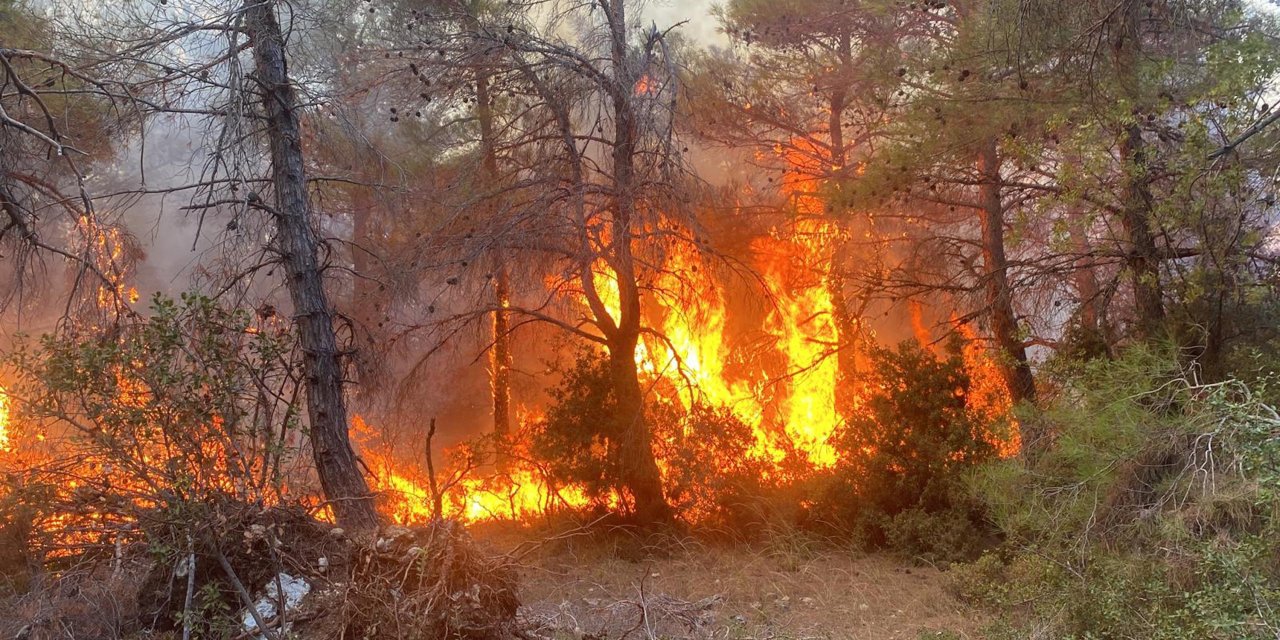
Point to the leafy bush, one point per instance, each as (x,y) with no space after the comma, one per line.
(1150,514)
(708,473)
(903,458)
(139,435)
(578,441)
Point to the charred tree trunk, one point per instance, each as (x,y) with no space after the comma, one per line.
(500,355)
(639,465)
(846,324)
(1004,323)
(297,244)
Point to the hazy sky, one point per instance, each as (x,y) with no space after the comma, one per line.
(700,24)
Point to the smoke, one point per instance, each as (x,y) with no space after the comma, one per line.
(699,25)
(152,176)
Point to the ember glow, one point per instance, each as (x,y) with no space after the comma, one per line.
(107,246)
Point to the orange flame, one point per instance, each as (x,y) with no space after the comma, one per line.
(514,494)
(6,444)
(989,395)
(646,85)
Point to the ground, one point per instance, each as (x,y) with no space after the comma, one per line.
(603,585)
(694,590)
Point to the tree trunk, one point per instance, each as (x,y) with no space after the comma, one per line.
(1082,276)
(639,465)
(1004,323)
(1142,259)
(846,394)
(366,304)
(297,244)
(500,355)
(1092,337)
(501,358)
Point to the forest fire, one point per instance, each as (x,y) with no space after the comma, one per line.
(803,324)
(409,495)
(785,390)
(719,290)
(788,396)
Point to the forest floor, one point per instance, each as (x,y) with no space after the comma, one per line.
(692,590)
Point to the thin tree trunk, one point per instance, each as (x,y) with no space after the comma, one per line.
(1142,259)
(1093,336)
(296,241)
(1083,277)
(845,323)
(500,355)
(1004,323)
(366,304)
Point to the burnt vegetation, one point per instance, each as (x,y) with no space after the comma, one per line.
(367,318)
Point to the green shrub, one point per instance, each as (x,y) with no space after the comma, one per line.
(579,438)
(903,458)
(708,475)
(1150,513)
(143,435)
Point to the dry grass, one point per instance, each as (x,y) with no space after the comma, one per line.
(592,590)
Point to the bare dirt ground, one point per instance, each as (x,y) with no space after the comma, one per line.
(697,591)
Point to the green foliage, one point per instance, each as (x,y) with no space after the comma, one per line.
(904,457)
(578,440)
(1150,514)
(708,472)
(151,420)
(711,475)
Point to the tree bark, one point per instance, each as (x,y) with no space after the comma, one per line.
(1004,322)
(1142,259)
(639,465)
(500,355)
(846,394)
(297,244)
(1083,277)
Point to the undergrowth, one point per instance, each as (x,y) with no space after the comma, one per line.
(1148,510)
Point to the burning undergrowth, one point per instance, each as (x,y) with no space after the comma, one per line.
(154,467)
(928,414)
(746,403)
